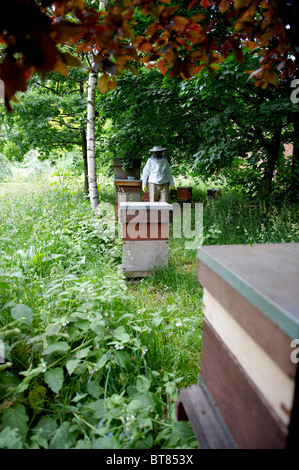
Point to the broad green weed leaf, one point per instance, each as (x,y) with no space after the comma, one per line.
(121,335)
(54,379)
(156,321)
(16,418)
(23,313)
(123,359)
(8,380)
(102,362)
(98,327)
(71,365)
(94,389)
(10,439)
(46,426)
(134,406)
(63,438)
(82,353)
(58,346)
(142,384)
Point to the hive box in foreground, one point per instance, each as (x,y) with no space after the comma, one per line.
(249,369)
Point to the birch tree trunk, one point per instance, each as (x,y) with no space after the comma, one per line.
(90,136)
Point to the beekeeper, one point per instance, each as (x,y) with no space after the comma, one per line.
(156,176)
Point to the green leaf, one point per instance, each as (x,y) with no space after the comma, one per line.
(142,384)
(23,313)
(63,438)
(8,380)
(82,353)
(156,321)
(57,346)
(98,327)
(134,406)
(4,286)
(123,359)
(94,389)
(102,362)
(10,439)
(16,418)
(71,365)
(121,335)
(46,426)
(54,379)
(30,373)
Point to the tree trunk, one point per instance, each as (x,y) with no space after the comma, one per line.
(84,153)
(294,186)
(84,146)
(273,153)
(91,158)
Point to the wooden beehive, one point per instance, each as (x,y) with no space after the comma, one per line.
(122,173)
(251,315)
(145,197)
(213,193)
(184,194)
(145,234)
(127,188)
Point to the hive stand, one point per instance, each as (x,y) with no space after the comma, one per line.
(249,367)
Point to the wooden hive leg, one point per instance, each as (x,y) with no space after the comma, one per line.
(195,404)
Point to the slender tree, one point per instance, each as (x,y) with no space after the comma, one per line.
(90,136)
(90,133)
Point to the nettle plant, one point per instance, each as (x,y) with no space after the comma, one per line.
(82,380)
(80,360)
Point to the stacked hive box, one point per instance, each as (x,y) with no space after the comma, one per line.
(251,316)
(145,197)
(184,194)
(127,182)
(213,192)
(145,233)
